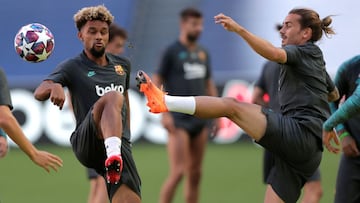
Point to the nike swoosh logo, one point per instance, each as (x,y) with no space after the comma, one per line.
(91,73)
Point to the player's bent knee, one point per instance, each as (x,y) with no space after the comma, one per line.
(111,98)
(114,96)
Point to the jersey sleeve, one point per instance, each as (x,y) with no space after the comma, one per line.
(350,108)
(292,54)
(341,82)
(59,75)
(5,98)
(165,63)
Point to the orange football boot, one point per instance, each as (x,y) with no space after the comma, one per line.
(154,95)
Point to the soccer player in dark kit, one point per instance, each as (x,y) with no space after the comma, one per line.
(268,84)
(185,70)
(294,135)
(97,190)
(98,84)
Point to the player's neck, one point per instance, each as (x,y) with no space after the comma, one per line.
(101,61)
(188,44)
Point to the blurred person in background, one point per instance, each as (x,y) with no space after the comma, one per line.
(345,120)
(185,70)
(10,126)
(117,40)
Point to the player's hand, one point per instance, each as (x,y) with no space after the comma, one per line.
(167,121)
(329,136)
(3,146)
(228,23)
(57,95)
(349,147)
(47,160)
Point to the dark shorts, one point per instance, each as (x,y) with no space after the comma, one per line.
(91,173)
(348,180)
(90,151)
(268,163)
(297,154)
(191,124)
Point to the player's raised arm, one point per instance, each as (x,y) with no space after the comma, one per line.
(12,128)
(259,45)
(49,89)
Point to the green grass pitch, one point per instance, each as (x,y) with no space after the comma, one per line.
(232,173)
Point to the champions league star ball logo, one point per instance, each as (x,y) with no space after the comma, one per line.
(34,42)
(119,70)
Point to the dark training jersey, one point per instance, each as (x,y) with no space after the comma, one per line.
(87,82)
(347,80)
(5,98)
(302,87)
(268,82)
(185,72)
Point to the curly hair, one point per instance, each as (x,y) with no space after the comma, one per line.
(99,12)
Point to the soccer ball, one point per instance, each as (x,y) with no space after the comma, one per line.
(34,42)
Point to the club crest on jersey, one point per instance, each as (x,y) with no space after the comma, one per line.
(202,56)
(119,70)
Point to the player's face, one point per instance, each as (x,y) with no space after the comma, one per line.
(116,46)
(192,27)
(291,31)
(95,36)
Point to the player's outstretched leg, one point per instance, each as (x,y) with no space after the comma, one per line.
(107,116)
(248,116)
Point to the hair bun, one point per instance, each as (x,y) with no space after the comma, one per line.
(325,25)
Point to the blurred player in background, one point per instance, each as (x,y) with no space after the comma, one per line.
(348,179)
(10,126)
(294,135)
(185,70)
(98,84)
(117,40)
(267,84)
(97,191)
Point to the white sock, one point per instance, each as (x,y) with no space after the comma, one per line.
(179,104)
(112,146)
